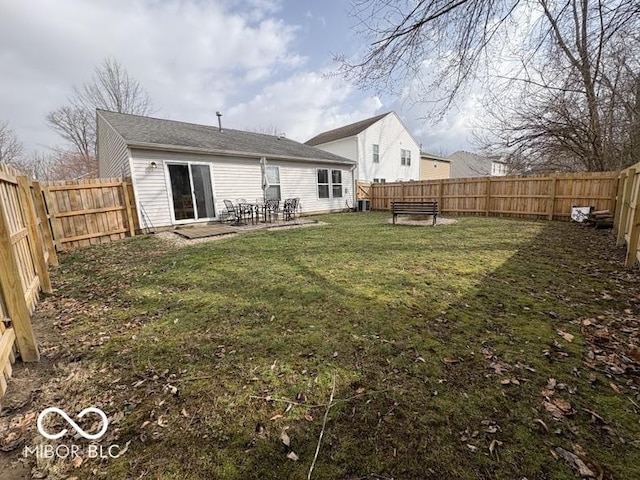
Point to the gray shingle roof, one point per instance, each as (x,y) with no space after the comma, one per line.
(344,132)
(139,131)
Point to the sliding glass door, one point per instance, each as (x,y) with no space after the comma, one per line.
(191,191)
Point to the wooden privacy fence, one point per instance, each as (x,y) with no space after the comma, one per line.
(90,211)
(26,250)
(535,196)
(36,220)
(626,224)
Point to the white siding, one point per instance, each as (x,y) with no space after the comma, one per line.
(345,147)
(233,179)
(150,187)
(113,154)
(391,136)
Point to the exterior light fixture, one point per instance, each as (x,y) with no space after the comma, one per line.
(153,165)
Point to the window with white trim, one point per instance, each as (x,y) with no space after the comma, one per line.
(273,178)
(405,157)
(376,153)
(336,183)
(329,183)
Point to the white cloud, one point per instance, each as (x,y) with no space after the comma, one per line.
(193,57)
(302,106)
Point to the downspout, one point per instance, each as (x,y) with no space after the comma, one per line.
(354,182)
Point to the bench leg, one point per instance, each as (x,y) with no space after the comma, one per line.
(435,216)
(394,218)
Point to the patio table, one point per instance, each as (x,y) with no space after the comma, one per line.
(245,209)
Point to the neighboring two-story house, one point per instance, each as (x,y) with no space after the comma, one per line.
(382,146)
(467,164)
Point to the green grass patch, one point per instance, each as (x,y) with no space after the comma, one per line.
(412,323)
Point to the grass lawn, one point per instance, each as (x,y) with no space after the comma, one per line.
(456,352)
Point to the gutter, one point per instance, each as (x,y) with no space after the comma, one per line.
(232,153)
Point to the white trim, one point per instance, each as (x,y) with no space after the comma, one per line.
(233,153)
(167,179)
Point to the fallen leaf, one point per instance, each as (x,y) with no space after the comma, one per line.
(276,417)
(285,438)
(123,450)
(499,367)
(292,456)
(184,413)
(614,387)
(493,445)
(576,462)
(473,448)
(360,390)
(451,360)
(77,461)
(542,424)
(567,336)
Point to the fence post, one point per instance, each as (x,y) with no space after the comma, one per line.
(127,206)
(53,210)
(11,289)
(552,197)
(440,187)
(35,245)
(632,245)
(47,233)
(624,212)
(619,194)
(488,199)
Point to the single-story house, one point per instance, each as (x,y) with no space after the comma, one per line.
(433,167)
(182,172)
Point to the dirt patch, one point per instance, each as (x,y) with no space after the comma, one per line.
(420,221)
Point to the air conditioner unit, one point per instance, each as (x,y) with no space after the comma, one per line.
(364,205)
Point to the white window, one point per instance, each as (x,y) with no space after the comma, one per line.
(376,153)
(379,180)
(405,157)
(273,177)
(323,183)
(329,186)
(498,169)
(336,183)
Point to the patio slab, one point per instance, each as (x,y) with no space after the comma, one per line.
(204,231)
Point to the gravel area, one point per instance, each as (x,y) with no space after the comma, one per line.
(423,223)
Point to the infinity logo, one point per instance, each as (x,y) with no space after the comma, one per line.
(76,427)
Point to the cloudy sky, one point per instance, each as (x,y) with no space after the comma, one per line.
(263,63)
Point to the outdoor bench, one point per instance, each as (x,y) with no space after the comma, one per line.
(414,208)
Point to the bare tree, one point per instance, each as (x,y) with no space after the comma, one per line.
(111,88)
(556,55)
(10,145)
(270,129)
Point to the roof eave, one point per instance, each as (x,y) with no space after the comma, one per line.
(230,153)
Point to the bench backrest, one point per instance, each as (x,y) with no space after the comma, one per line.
(426,206)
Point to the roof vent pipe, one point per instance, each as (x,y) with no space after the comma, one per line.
(219,115)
